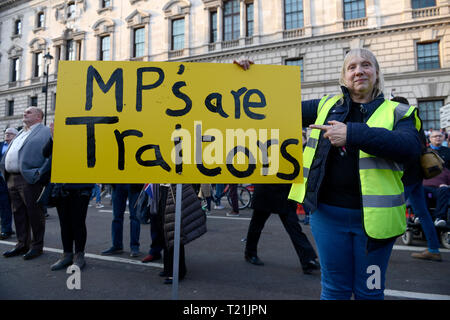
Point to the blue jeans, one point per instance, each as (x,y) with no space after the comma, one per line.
(416,195)
(5,208)
(96,192)
(219,193)
(120,194)
(346,267)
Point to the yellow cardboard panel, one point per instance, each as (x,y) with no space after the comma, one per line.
(126,122)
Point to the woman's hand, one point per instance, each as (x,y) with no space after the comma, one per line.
(244,64)
(335,131)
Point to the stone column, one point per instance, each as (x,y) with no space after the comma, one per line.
(307,14)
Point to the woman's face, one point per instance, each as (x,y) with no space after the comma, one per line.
(360,76)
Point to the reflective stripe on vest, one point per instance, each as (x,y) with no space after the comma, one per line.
(382,192)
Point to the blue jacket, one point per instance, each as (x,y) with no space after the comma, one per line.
(400,144)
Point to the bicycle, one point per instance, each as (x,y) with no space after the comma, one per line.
(244,195)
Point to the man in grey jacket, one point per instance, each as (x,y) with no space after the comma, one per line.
(23,167)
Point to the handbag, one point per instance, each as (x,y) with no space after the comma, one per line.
(432,164)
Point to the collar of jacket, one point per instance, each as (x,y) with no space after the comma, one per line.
(370,106)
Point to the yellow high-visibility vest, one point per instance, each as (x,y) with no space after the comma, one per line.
(382,191)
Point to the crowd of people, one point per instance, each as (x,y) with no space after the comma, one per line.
(354,191)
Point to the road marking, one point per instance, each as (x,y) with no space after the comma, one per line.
(110,211)
(387,292)
(413,248)
(415,295)
(100,257)
(230,218)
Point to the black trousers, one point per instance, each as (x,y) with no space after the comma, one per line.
(72,212)
(28,215)
(303,247)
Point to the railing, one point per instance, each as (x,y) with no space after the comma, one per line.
(293,33)
(230,44)
(355,23)
(176,53)
(211,47)
(248,40)
(425,12)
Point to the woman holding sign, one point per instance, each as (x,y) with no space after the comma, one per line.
(352,178)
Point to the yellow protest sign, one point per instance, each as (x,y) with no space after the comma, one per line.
(176,122)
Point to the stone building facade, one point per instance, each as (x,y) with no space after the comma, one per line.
(411,39)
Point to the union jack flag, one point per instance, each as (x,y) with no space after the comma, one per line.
(148,188)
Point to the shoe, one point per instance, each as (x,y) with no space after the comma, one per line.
(416,221)
(232,214)
(427,255)
(33,253)
(150,258)
(254,260)
(135,253)
(440,223)
(310,266)
(15,252)
(99,206)
(65,261)
(168,280)
(111,251)
(5,235)
(78,260)
(218,207)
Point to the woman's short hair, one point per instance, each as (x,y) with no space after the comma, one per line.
(365,54)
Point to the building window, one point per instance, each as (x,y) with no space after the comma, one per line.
(54,101)
(178,34)
(231,23)
(70,50)
(250,20)
(17,27)
(429,113)
(106,3)
(34,101)
(428,56)
(296,62)
(14,69)
(293,14)
(10,108)
(213,27)
(40,20)
(139,42)
(105,48)
(37,64)
(354,9)
(418,4)
(71,9)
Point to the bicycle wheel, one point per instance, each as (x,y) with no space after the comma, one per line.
(244,197)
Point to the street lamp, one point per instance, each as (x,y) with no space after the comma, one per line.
(48,59)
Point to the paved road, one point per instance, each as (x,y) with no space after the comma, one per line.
(216,268)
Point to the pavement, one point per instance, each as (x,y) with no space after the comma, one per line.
(215,262)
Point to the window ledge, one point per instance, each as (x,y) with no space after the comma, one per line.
(37,29)
(355,23)
(293,33)
(176,53)
(103,10)
(425,12)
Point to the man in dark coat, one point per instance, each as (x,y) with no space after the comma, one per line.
(5,204)
(273,198)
